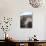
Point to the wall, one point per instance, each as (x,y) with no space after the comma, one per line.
(13,8)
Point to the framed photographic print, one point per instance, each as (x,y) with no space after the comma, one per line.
(26,20)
